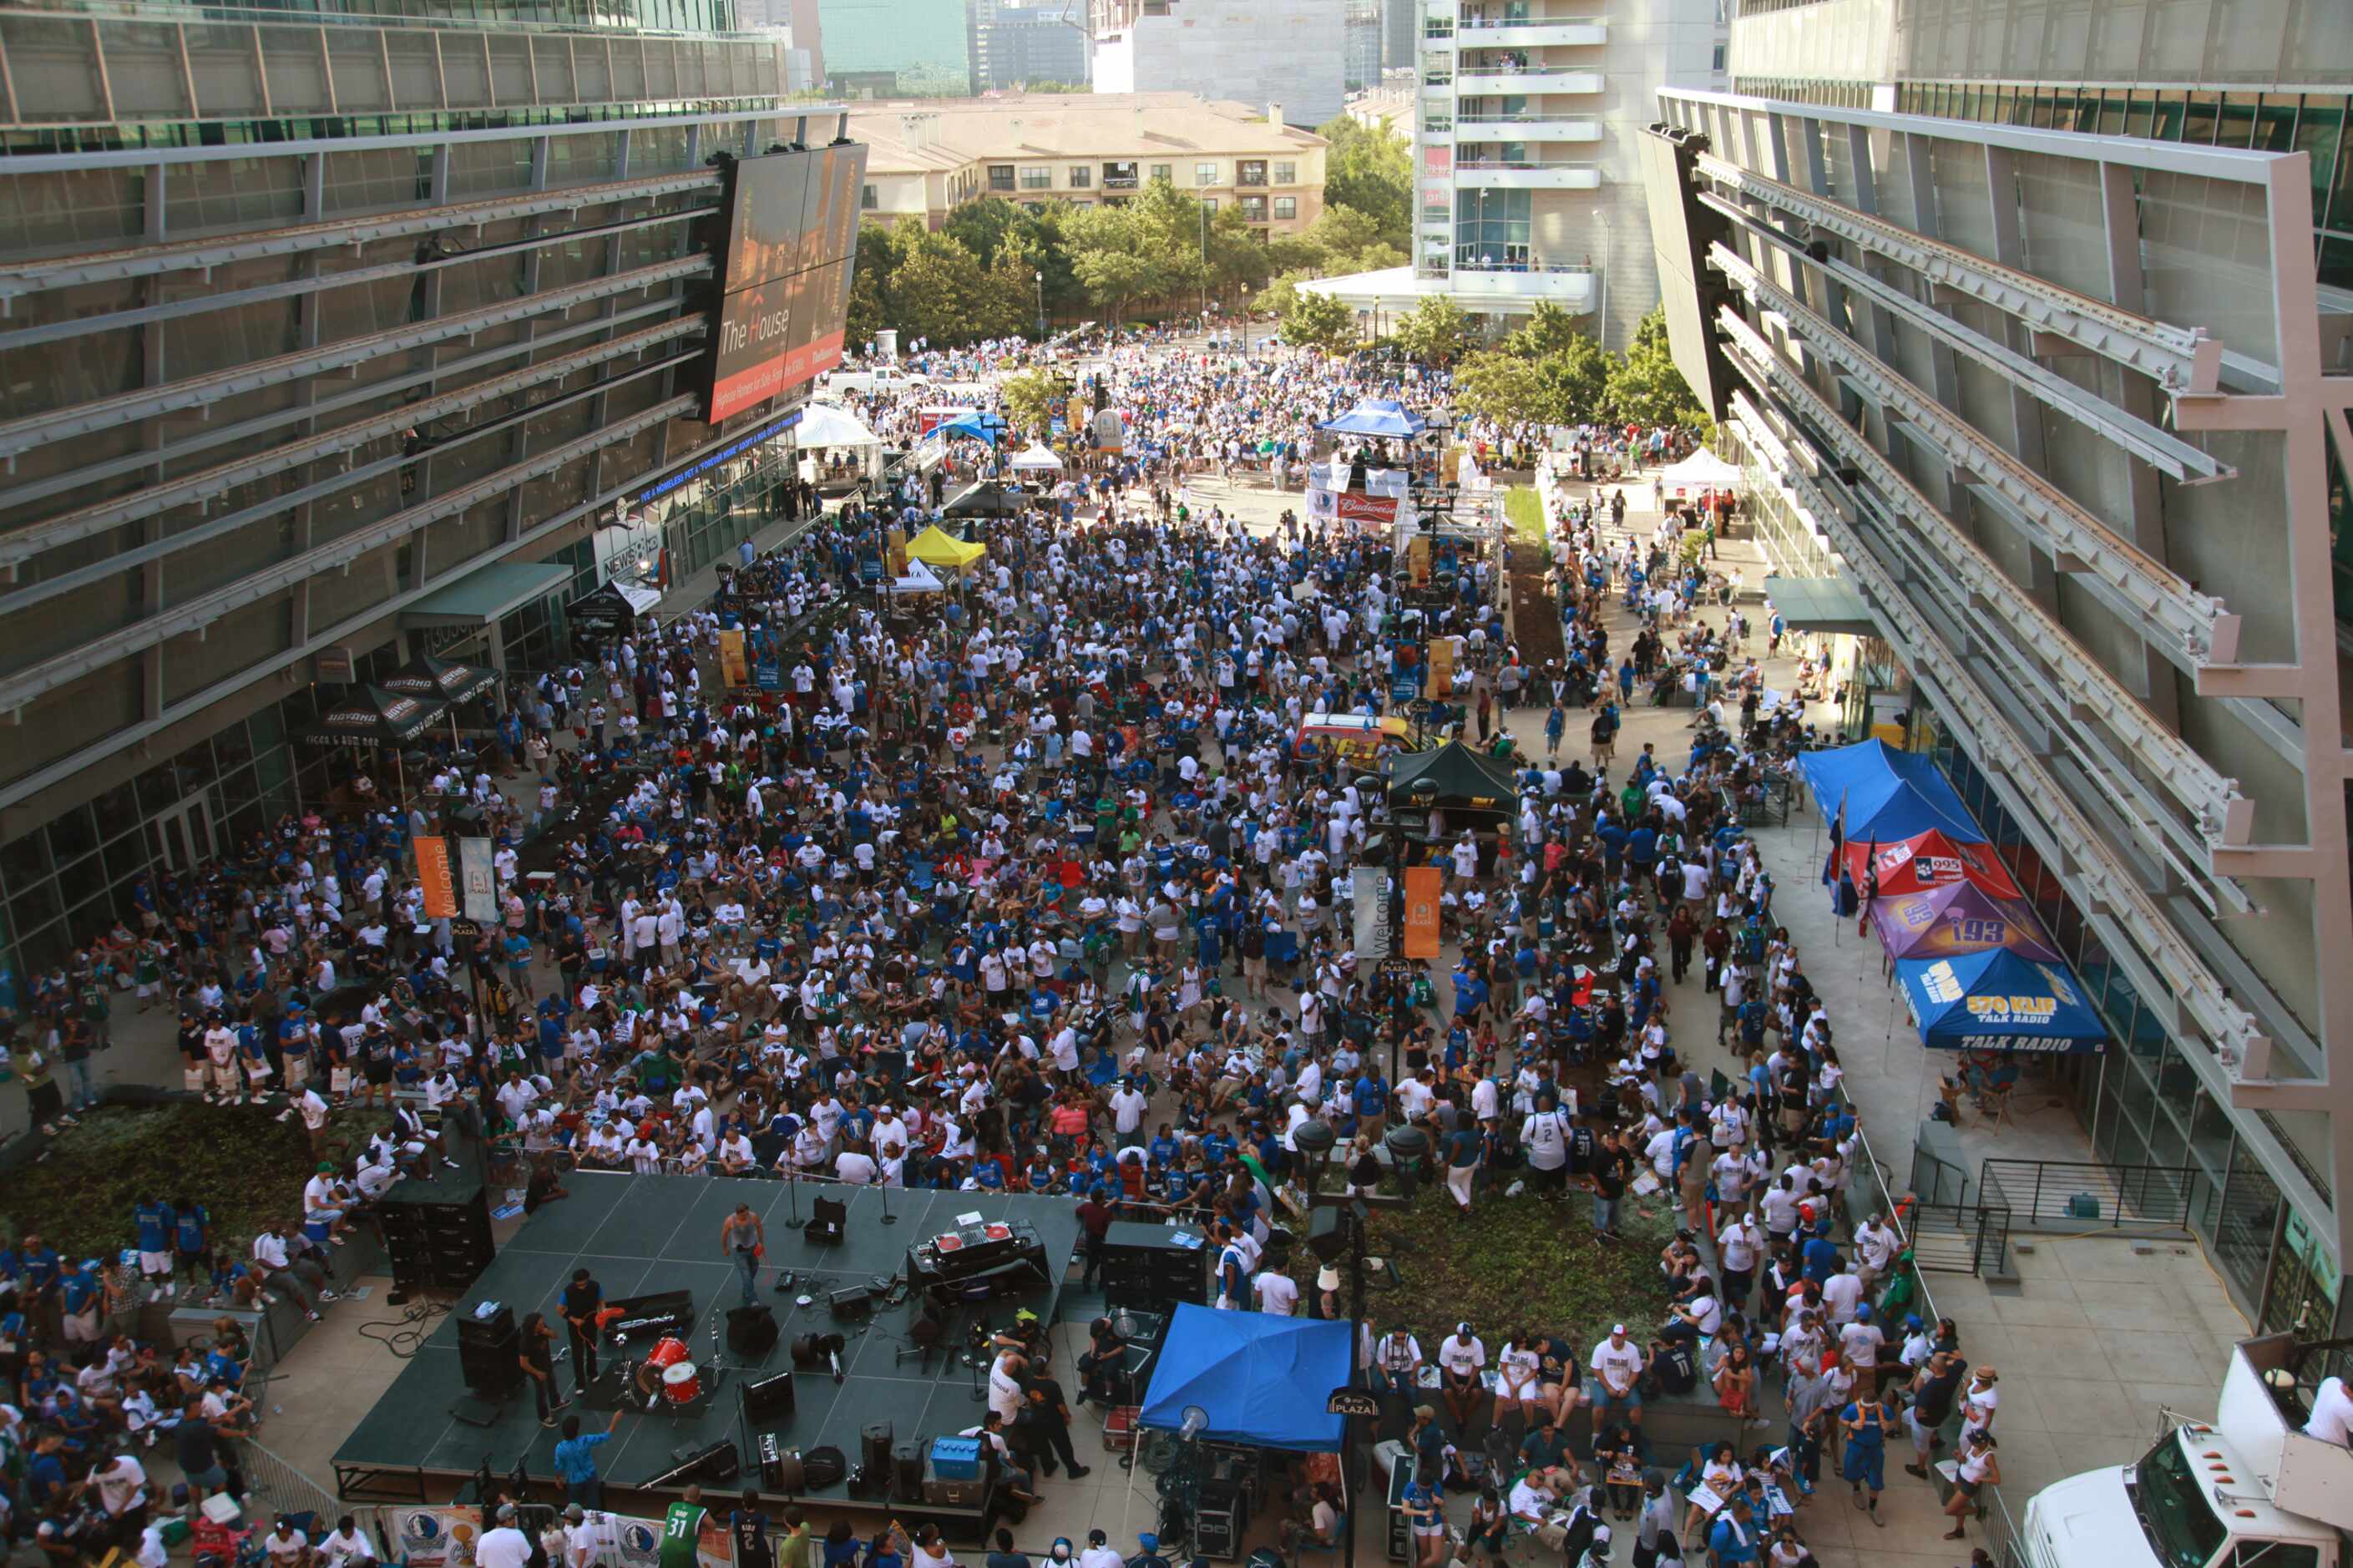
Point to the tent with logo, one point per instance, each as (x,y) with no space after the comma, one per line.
(1957,917)
(1999,1001)
(1925,860)
(1886,794)
(1256,1378)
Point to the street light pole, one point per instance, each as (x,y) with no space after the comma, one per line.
(1202,207)
(1041,309)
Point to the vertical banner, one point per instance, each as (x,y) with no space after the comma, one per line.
(1421,887)
(1368,887)
(895,540)
(478,885)
(1417,561)
(734,669)
(1441,686)
(433,871)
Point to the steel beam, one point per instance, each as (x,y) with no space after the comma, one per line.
(2178,359)
(2172,611)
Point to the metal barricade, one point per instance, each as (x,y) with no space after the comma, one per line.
(2079,1195)
(274,1486)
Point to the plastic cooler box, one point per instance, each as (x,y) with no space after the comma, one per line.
(956,1459)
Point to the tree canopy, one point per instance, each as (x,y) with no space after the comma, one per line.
(1313,321)
(1370,169)
(1435,332)
(1646,388)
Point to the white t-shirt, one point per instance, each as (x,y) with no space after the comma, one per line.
(1277,1293)
(505,1547)
(1546,1137)
(2332,1412)
(1461,1356)
(1617,1365)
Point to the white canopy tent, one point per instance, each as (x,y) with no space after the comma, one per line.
(1703,470)
(1037,460)
(823,425)
(918,579)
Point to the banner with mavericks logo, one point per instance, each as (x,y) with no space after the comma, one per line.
(448,1536)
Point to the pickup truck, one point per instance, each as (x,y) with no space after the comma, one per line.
(2251,1491)
(874,378)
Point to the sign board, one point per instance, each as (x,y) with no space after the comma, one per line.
(736,668)
(334,664)
(464,927)
(1352,1402)
(477,887)
(1422,893)
(791,241)
(1441,668)
(433,874)
(1369,890)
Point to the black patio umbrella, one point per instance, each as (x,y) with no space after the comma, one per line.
(431,679)
(371,716)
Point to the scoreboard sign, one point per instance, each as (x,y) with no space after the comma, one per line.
(791,239)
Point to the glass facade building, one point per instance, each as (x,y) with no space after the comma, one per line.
(320,324)
(2047,361)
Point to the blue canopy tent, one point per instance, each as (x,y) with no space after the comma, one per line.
(1260,1379)
(979,426)
(1376,416)
(1887,794)
(1998,1001)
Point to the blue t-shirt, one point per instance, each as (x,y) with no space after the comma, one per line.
(575,1458)
(155,1223)
(189,1227)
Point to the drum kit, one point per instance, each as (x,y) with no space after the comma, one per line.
(669,1376)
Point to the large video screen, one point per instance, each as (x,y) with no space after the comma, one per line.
(792,237)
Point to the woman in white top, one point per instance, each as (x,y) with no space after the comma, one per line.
(1517,1366)
(1980,1467)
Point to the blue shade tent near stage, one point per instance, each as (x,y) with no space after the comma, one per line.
(1998,1001)
(1376,416)
(1260,1379)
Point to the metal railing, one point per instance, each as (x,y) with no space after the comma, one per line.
(1961,1239)
(2084,1194)
(1937,1181)
(278,1488)
(1880,1197)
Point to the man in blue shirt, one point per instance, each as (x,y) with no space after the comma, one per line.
(576,1461)
(153,1221)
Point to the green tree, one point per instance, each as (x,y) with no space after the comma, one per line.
(983,225)
(1029,398)
(1370,169)
(937,290)
(1576,380)
(1547,331)
(1435,332)
(1646,388)
(869,279)
(1314,321)
(1341,240)
(1503,386)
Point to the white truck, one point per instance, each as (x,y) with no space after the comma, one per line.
(2251,1491)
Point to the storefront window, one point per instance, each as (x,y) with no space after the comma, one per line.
(2250,1219)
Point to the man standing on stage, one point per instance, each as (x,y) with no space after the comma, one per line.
(581,1300)
(741,1239)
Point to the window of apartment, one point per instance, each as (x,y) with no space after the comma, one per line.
(1205,173)
(1286,173)
(1119,176)
(1164,172)
(1081,176)
(1037,177)
(1253,209)
(1000,176)
(869,198)
(1250,172)
(1285,208)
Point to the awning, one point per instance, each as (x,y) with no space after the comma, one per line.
(615,607)
(485,594)
(1821,605)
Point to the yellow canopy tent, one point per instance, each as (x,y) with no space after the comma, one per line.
(943,551)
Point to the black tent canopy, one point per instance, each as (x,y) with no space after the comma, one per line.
(371,716)
(1455,778)
(431,679)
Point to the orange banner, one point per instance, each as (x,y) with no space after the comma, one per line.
(1441,677)
(734,667)
(1421,885)
(433,871)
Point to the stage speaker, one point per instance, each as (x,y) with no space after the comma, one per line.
(828,1220)
(1328,1234)
(714,1463)
(930,1323)
(489,1353)
(751,1331)
(856,1301)
(769,1399)
(906,1472)
(874,1449)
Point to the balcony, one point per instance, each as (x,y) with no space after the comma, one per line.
(1473,81)
(1474,286)
(1471,128)
(1496,174)
(1542,32)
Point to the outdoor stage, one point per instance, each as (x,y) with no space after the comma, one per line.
(642,1234)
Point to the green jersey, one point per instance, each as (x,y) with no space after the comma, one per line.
(682,1527)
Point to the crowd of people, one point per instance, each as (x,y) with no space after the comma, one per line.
(1041,891)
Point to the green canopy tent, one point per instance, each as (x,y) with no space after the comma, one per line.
(1468,787)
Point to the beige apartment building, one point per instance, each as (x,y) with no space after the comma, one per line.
(931,157)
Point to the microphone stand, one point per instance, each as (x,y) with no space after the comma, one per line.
(888,1217)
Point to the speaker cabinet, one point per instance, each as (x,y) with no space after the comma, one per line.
(751,1331)
(906,1472)
(770,1399)
(490,1354)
